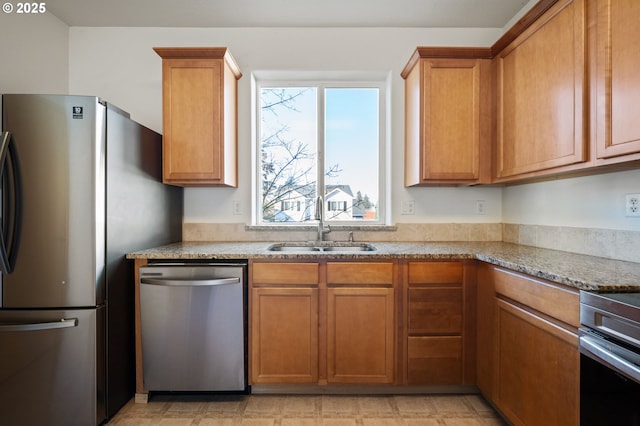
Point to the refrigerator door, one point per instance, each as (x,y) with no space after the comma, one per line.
(50,368)
(60,148)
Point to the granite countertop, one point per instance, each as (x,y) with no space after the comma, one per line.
(574,270)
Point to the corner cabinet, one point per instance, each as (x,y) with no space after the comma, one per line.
(199,113)
(541,81)
(617,83)
(535,372)
(447,116)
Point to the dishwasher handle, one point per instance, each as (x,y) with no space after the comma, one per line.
(189,282)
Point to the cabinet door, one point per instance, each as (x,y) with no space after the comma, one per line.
(537,368)
(540,86)
(617,77)
(284,335)
(445,100)
(199,113)
(360,335)
(192,120)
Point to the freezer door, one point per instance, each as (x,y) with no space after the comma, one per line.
(59,143)
(48,373)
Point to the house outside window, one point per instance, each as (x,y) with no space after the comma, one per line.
(322,138)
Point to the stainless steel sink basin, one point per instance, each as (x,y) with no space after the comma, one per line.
(357,247)
(321,247)
(286,247)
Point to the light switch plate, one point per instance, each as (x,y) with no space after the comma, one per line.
(408,207)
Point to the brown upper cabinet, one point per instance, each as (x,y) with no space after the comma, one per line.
(447,116)
(540,84)
(199,113)
(617,84)
(561,99)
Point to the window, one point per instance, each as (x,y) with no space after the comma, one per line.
(320,140)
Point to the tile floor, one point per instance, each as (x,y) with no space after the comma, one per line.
(297,410)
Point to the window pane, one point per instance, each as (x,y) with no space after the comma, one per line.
(351,153)
(288,153)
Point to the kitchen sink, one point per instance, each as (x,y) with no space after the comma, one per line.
(321,247)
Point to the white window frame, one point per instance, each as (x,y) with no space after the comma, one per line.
(323,80)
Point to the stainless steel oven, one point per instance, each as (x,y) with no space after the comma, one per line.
(610,359)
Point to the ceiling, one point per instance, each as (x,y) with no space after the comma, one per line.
(287,13)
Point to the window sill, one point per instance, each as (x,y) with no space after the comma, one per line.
(314,227)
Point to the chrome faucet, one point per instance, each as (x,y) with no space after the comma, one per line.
(319,216)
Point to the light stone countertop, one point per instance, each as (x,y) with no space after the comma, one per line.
(574,270)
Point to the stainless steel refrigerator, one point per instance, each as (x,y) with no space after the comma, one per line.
(80,187)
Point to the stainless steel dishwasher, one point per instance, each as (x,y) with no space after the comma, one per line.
(193,327)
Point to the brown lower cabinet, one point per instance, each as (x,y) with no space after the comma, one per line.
(322,322)
(360,335)
(528,357)
(419,323)
(440,317)
(284,335)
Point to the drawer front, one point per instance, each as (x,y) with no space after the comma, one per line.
(370,273)
(435,310)
(562,304)
(435,360)
(435,272)
(279,273)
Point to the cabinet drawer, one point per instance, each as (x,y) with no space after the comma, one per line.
(435,360)
(435,272)
(372,273)
(435,310)
(285,273)
(562,304)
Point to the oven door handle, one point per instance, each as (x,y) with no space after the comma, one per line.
(613,360)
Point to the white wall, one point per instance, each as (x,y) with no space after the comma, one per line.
(40,54)
(34,53)
(588,202)
(119,65)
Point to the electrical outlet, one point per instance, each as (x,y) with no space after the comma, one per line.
(481,207)
(632,206)
(237,207)
(408,207)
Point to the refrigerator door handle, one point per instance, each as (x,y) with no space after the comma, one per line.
(189,282)
(11,185)
(49,325)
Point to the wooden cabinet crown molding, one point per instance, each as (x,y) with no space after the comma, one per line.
(445,53)
(522,25)
(200,53)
